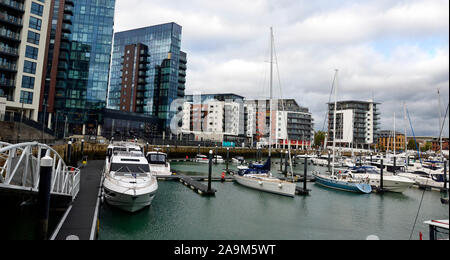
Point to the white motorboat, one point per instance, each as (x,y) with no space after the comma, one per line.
(159,166)
(124,147)
(428,174)
(391,182)
(218,159)
(205,159)
(238,160)
(127,181)
(200,158)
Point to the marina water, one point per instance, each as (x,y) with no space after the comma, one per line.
(240,213)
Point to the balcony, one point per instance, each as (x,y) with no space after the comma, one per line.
(61,75)
(9,83)
(67,18)
(64,56)
(66,28)
(11,20)
(13,6)
(70,2)
(8,67)
(9,51)
(63,66)
(9,35)
(68,9)
(65,37)
(65,46)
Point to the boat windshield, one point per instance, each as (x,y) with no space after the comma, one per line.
(156,159)
(130,168)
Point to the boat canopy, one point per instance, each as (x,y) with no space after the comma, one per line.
(257,168)
(157,158)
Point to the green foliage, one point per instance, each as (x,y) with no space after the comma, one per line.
(319,138)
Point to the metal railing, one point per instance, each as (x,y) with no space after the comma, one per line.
(20,169)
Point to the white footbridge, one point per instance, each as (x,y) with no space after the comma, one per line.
(20,170)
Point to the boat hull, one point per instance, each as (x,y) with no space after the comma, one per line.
(127,202)
(280,188)
(129,199)
(342,185)
(390,183)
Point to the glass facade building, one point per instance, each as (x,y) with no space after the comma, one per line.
(77,68)
(162,76)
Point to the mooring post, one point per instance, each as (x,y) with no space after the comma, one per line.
(286,163)
(305,176)
(198,151)
(329,161)
(395,164)
(44,196)
(69,152)
(210,169)
(82,148)
(146,149)
(215,155)
(281,161)
(381,176)
(445,177)
(228,157)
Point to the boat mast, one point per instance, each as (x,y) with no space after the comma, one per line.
(440,123)
(335,121)
(406,136)
(395,136)
(271,91)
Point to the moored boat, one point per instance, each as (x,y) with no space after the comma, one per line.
(128,183)
(159,165)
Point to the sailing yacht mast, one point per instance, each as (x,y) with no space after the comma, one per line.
(271,92)
(440,123)
(395,137)
(334,124)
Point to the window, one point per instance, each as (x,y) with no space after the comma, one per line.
(29,67)
(37,9)
(33,37)
(31,52)
(28,82)
(26,97)
(35,23)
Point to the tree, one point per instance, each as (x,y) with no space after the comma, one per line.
(319,138)
(427,147)
(412,145)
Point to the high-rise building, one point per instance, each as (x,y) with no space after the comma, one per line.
(290,122)
(23,30)
(357,123)
(76,71)
(153,75)
(217,117)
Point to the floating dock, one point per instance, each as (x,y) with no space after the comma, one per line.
(197,186)
(81,218)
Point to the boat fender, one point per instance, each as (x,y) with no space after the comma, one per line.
(260,183)
(280,186)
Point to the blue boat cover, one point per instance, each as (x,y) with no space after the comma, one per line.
(257,168)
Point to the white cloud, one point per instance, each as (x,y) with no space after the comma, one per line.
(393,50)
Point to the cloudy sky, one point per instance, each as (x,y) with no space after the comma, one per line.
(392,51)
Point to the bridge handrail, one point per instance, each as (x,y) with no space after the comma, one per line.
(65,179)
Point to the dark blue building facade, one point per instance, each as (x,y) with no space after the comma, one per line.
(77,68)
(162,78)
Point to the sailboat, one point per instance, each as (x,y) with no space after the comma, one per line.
(341,181)
(257,176)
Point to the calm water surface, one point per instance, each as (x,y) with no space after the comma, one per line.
(240,213)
